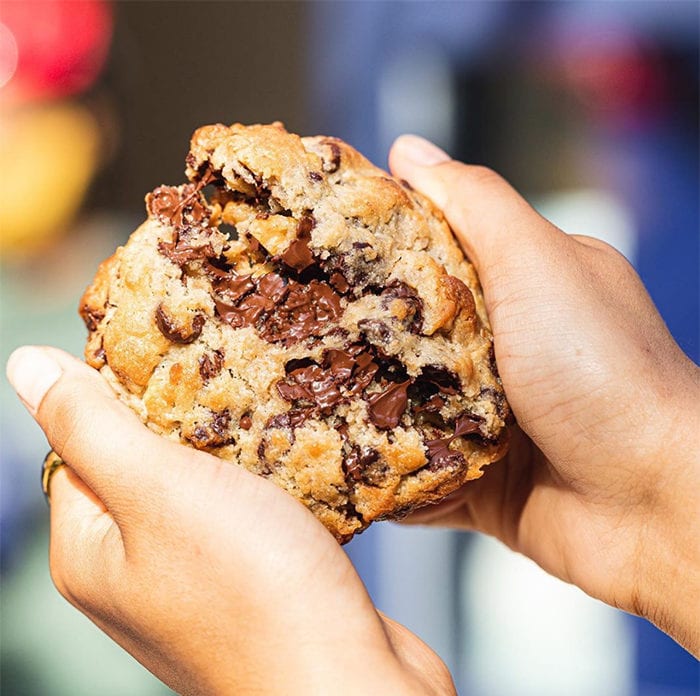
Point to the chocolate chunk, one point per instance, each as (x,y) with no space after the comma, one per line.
(326,385)
(305,312)
(364,372)
(91,317)
(175,333)
(246,422)
(441,457)
(290,419)
(356,267)
(298,255)
(210,365)
(312,384)
(180,207)
(212,434)
(273,287)
(255,248)
(359,458)
(260,194)
(396,290)
(432,405)
(281,310)
(333,163)
(445,380)
(376,331)
(341,364)
(439,453)
(339,283)
(434,381)
(190,243)
(230,285)
(164,203)
(387,407)
(246,313)
(181,252)
(315,176)
(467,424)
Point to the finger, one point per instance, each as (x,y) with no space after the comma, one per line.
(85,544)
(103,440)
(484,211)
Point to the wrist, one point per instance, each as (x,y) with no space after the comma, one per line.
(668,565)
(668,580)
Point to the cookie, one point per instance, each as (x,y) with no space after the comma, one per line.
(297,311)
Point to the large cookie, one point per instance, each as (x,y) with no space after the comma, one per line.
(299,312)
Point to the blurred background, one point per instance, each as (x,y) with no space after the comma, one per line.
(589,108)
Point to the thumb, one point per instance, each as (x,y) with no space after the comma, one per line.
(486,214)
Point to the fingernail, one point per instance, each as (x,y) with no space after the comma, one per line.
(32,372)
(421,151)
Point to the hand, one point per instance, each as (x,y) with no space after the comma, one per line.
(213,578)
(601,486)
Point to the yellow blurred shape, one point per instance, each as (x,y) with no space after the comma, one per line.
(48,155)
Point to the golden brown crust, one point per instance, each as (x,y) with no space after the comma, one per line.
(336,342)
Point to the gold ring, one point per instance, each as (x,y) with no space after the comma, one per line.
(51,462)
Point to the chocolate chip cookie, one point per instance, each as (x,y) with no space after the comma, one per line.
(301,313)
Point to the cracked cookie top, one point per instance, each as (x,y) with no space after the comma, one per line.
(299,312)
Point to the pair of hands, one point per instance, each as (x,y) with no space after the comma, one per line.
(219,582)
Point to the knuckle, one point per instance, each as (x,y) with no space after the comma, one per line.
(480,175)
(468,186)
(607,250)
(615,261)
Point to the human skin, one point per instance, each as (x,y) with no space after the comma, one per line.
(221,583)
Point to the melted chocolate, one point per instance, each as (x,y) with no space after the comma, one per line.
(341,364)
(431,405)
(181,207)
(180,252)
(326,385)
(339,282)
(445,380)
(387,407)
(273,287)
(229,285)
(281,310)
(439,453)
(364,373)
(298,255)
(358,460)
(305,311)
(175,333)
(290,419)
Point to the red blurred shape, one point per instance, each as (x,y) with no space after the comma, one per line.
(62,45)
